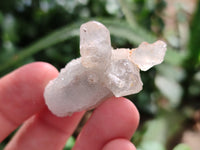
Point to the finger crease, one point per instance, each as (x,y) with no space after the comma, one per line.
(57,129)
(6,117)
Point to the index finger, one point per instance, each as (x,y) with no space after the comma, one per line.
(21,94)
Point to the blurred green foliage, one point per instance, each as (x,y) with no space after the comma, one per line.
(48,30)
(182,147)
(194,53)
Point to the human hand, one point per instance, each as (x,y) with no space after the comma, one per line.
(21,101)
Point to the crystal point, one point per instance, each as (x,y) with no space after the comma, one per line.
(95,46)
(147,55)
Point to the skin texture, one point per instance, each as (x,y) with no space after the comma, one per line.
(21,101)
(119,144)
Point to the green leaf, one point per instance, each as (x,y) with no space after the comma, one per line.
(2,146)
(157,132)
(155,135)
(151,145)
(133,34)
(127,9)
(194,53)
(70,143)
(171,89)
(174,57)
(182,147)
(170,71)
(155,128)
(58,36)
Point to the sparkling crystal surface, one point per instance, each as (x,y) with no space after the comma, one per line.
(100,72)
(75,89)
(123,78)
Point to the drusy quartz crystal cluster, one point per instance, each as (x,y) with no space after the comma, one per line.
(100,72)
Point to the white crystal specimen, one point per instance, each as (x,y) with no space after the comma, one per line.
(101,72)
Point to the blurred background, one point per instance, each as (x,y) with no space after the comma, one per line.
(169,104)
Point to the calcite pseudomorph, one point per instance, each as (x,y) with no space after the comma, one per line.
(100,72)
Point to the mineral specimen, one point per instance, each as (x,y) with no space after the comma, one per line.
(100,72)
